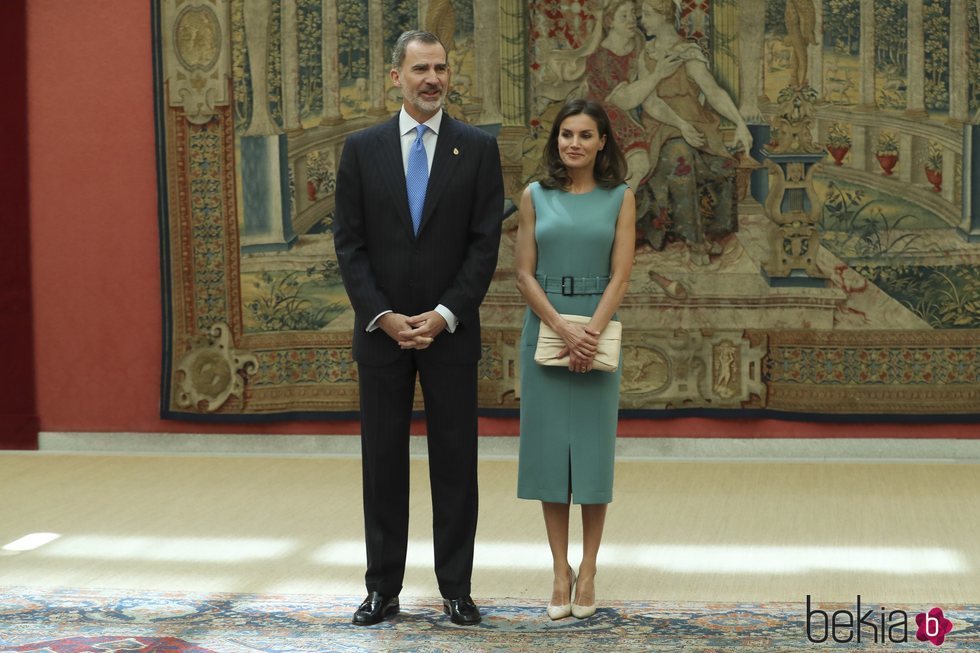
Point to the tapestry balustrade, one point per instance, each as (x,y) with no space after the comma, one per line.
(927,165)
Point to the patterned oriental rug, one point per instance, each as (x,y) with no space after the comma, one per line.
(116,621)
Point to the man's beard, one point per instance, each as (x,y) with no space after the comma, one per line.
(428,106)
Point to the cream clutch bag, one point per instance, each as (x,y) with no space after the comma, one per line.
(606,357)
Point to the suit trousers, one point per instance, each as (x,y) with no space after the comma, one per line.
(450,395)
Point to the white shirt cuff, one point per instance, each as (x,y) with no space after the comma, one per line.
(374,323)
(451,321)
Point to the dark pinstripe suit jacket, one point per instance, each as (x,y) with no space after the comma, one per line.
(386,267)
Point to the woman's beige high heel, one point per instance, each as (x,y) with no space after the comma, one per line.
(561,611)
(583,611)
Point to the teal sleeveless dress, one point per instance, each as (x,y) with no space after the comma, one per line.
(568,419)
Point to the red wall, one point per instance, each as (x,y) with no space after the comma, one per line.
(95,241)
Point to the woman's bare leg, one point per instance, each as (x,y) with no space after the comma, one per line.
(593,521)
(556,524)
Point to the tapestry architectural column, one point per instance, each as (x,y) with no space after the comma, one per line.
(724,23)
(257,14)
(266,202)
(289,25)
(512,60)
(330,62)
(867,56)
(486,32)
(976,118)
(916,79)
(266,199)
(376,58)
(751,51)
(959,64)
(815,53)
(513,103)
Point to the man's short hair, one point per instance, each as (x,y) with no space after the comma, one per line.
(401,45)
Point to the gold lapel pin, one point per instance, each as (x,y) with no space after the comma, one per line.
(455,151)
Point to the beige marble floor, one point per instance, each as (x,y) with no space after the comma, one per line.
(705,531)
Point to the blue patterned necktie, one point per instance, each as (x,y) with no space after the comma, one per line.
(417,178)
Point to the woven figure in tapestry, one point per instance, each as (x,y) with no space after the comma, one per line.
(690,193)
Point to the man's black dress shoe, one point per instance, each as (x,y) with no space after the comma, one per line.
(376,608)
(462,611)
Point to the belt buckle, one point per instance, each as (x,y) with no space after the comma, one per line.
(570,287)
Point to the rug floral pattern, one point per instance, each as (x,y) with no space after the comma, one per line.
(88,621)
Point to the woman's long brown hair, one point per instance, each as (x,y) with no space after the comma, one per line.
(610,164)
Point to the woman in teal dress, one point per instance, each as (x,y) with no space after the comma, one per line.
(577,222)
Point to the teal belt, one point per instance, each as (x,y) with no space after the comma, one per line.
(573,285)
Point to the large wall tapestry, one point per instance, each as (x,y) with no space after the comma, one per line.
(807,175)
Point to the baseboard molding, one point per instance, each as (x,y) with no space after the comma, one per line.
(864,450)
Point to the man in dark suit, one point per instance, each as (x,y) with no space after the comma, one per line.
(419,204)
